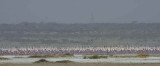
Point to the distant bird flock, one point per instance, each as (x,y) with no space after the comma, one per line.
(79,50)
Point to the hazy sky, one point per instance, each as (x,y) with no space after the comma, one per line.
(79,11)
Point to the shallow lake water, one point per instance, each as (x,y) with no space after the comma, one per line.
(79,58)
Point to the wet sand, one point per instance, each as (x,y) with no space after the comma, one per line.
(84,64)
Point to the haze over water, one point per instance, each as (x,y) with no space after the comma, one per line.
(79,11)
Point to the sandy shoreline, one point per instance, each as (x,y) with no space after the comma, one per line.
(79,59)
(84,64)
